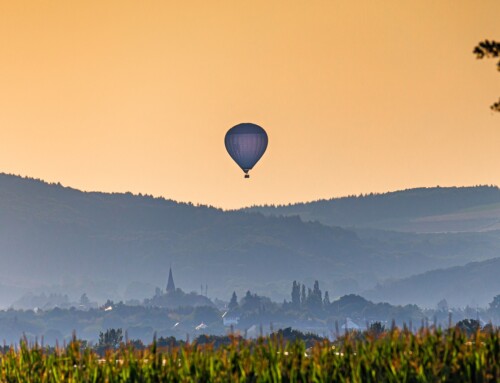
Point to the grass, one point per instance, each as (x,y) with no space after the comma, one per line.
(393,356)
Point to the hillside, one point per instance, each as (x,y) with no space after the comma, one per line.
(425,210)
(119,246)
(476,283)
(54,237)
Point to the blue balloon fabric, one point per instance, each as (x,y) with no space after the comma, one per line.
(246,144)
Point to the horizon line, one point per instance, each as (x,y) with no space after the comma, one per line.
(267,204)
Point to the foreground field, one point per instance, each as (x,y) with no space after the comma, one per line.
(395,356)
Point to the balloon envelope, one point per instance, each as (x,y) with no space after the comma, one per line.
(246,144)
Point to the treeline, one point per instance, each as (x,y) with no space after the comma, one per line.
(367,208)
(313,300)
(308,310)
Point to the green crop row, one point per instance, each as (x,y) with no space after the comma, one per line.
(394,356)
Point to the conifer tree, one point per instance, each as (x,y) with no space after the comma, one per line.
(233,303)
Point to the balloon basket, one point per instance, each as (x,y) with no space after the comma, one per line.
(247,175)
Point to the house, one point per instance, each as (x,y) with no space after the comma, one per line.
(349,325)
(230,319)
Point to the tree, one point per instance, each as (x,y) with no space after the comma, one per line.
(136,344)
(303,298)
(233,303)
(111,338)
(326,300)
(251,302)
(470,326)
(296,294)
(489,49)
(495,305)
(376,329)
(109,303)
(290,335)
(314,298)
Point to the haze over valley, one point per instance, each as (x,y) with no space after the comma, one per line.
(56,239)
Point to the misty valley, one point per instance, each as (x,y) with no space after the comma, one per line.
(90,262)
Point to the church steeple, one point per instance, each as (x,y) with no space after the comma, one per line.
(170,283)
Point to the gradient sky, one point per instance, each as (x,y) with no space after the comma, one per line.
(355,96)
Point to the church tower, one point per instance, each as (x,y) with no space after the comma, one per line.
(170,283)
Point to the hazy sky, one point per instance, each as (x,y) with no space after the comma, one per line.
(355,96)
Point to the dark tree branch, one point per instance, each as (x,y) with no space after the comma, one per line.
(496,106)
(489,49)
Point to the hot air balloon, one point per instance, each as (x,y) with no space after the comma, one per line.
(246,144)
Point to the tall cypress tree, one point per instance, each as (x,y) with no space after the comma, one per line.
(296,294)
(303,298)
(317,293)
(233,303)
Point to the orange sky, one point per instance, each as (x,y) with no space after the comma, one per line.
(355,96)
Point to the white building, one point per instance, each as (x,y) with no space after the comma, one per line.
(230,319)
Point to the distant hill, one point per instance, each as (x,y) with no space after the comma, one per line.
(475,283)
(56,239)
(427,210)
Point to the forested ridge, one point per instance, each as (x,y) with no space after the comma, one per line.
(120,245)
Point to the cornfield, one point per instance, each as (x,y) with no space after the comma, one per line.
(394,356)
